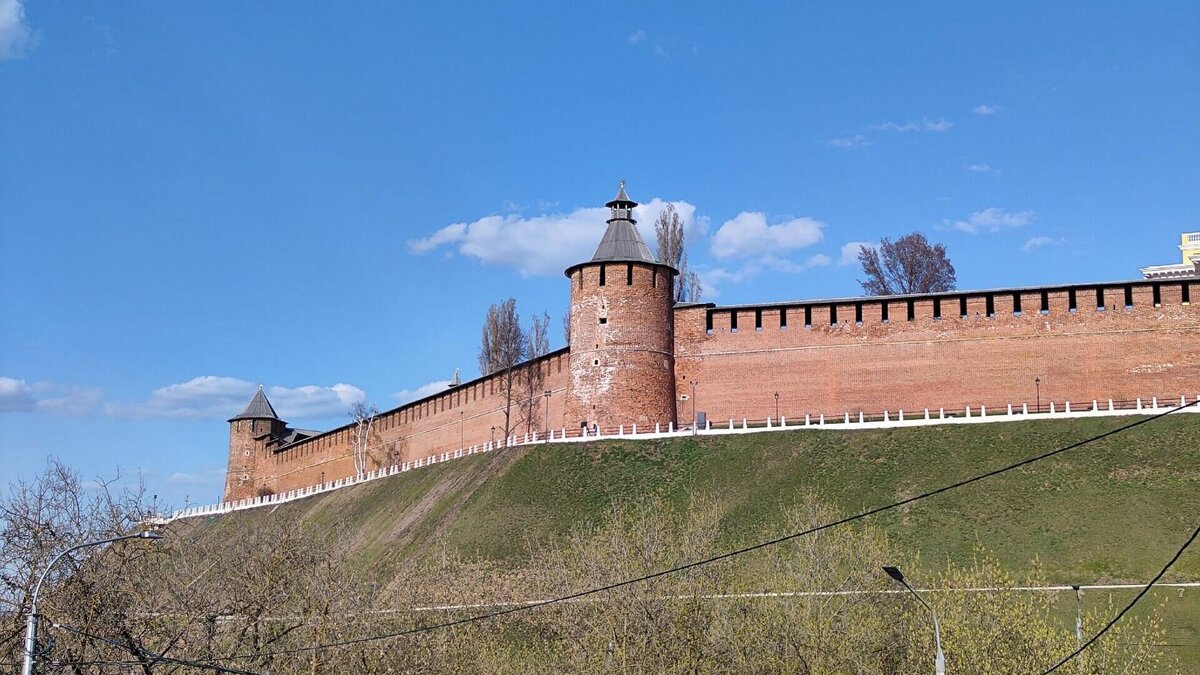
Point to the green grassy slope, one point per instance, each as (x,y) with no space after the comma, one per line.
(1114,510)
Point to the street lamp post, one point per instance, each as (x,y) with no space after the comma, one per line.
(31,621)
(1078,615)
(547,395)
(776,406)
(462,430)
(939,665)
(493,440)
(694,407)
(1037,382)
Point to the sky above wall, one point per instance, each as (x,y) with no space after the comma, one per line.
(325,198)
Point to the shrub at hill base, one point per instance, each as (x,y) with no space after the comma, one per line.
(270,597)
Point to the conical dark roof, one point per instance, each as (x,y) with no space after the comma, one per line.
(622,242)
(259,408)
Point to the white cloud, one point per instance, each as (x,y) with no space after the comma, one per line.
(850,251)
(201,478)
(925,124)
(1038,242)
(545,244)
(850,142)
(748,234)
(985,109)
(409,395)
(15,396)
(711,279)
(981,168)
(992,220)
(19,396)
(636,37)
(214,397)
(15,37)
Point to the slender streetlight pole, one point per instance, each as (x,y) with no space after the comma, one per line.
(31,622)
(939,666)
(1037,382)
(493,439)
(1078,615)
(462,430)
(547,395)
(693,407)
(777,406)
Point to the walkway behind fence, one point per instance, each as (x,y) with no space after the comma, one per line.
(845,422)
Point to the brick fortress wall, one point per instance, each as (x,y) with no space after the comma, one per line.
(439,423)
(868,354)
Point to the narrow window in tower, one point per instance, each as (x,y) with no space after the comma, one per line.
(1128,296)
(1186,291)
(833,315)
(1157,295)
(912,310)
(808,317)
(733,321)
(1071,305)
(602,270)
(991,306)
(581,279)
(962,306)
(1016,304)
(603,320)
(1045,302)
(883,311)
(858,313)
(782,318)
(629,274)
(1099,299)
(708,323)
(937,309)
(758,319)
(654,278)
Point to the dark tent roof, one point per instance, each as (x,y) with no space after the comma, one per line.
(623,243)
(259,408)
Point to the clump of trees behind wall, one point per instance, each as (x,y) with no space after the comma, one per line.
(908,265)
(504,346)
(263,593)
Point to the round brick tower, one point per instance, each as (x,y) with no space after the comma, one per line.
(247,435)
(622,361)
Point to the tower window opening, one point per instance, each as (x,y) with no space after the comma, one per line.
(733,321)
(883,311)
(580,279)
(1186,292)
(912,310)
(758,319)
(808,317)
(782,318)
(629,274)
(708,323)
(1129,296)
(1017,304)
(1045,302)
(1157,295)
(1071,304)
(1099,299)
(858,312)
(602,270)
(962,306)
(937,308)
(654,278)
(603,320)
(833,315)
(991,306)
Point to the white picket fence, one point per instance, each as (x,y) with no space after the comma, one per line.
(845,422)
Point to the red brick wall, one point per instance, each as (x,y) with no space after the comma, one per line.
(622,370)
(1142,351)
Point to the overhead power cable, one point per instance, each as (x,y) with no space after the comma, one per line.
(719,557)
(1128,607)
(152,655)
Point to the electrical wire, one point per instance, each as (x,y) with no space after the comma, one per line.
(719,557)
(152,655)
(1128,607)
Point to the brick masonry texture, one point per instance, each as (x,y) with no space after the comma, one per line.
(822,357)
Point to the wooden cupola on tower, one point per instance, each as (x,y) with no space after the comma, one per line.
(622,362)
(249,436)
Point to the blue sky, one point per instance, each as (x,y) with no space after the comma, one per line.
(325,198)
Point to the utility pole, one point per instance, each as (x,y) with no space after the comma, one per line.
(31,621)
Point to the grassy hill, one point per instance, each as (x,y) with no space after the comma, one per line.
(1114,510)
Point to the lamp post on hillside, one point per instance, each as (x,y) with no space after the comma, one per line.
(939,664)
(1037,382)
(31,622)
(462,429)
(694,407)
(493,441)
(776,406)
(547,395)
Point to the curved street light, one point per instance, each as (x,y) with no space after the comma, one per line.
(940,661)
(31,621)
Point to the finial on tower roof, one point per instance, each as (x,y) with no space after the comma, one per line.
(622,200)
